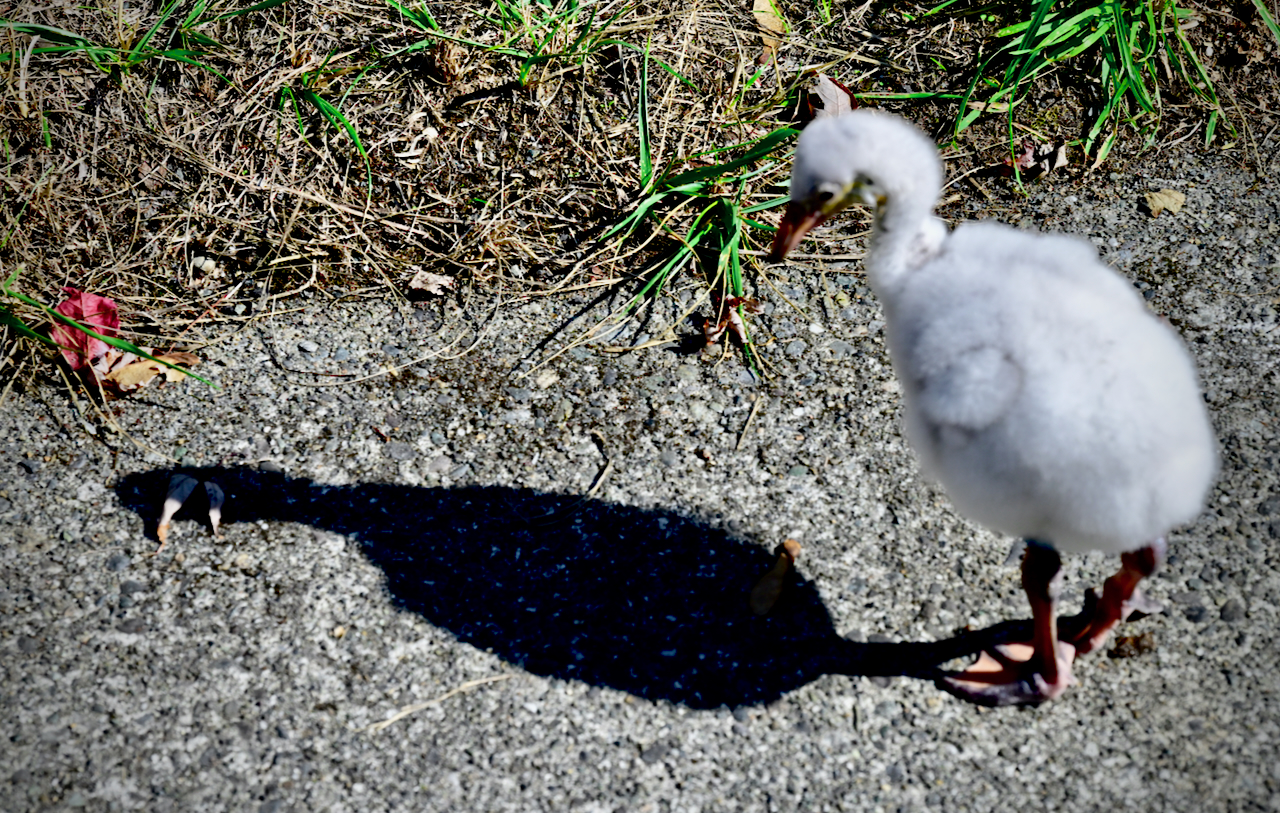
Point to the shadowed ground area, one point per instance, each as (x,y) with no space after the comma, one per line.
(649,602)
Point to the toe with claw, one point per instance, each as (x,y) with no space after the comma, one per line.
(1010,674)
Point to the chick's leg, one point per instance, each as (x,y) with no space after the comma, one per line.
(1030,672)
(1120,598)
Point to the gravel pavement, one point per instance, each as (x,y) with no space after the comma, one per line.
(547,566)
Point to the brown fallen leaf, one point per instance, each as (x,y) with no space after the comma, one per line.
(1131,646)
(1169,199)
(769,589)
(772,27)
(434,284)
(730,319)
(836,99)
(133,375)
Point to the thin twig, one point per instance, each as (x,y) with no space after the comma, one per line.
(742,437)
(417,707)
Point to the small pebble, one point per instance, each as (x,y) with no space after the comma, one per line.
(118,562)
(1233,611)
(399,450)
(841,349)
(308,346)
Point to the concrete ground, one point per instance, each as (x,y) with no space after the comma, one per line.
(548,565)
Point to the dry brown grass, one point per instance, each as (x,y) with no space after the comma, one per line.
(126,181)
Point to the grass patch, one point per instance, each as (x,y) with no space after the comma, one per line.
(206,162)
(1128,64)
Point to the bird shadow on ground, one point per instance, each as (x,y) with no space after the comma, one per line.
(650,602)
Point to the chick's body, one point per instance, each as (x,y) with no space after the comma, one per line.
(1042,393)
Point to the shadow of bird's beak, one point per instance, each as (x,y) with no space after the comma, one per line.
(798,220)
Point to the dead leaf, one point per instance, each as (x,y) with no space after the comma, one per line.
(1169,199)
(1036,160)
(772,28)
(769,589)
(98,313)
(990,107)
(445,61)
(836,99)
(730,319)
(1131,646)
(433,284)
(128,377)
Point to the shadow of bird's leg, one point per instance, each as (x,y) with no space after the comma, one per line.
(1027,672)
(1120,599)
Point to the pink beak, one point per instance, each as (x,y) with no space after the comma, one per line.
(798,220)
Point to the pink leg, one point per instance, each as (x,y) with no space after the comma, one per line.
(1032,672)
(1120,598)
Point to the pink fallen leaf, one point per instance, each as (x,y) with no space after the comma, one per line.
(1036,160)
(95,312)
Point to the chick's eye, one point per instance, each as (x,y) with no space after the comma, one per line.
(826,195)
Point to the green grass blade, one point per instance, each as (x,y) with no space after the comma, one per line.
(646,158)
(180,55)
(1104,27)
(420,17)
(760,149)
(1269,20)
(20,327)
(632,220)
(937,9)
(144,42)
(263,6)
(339,120)
(1211,128)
